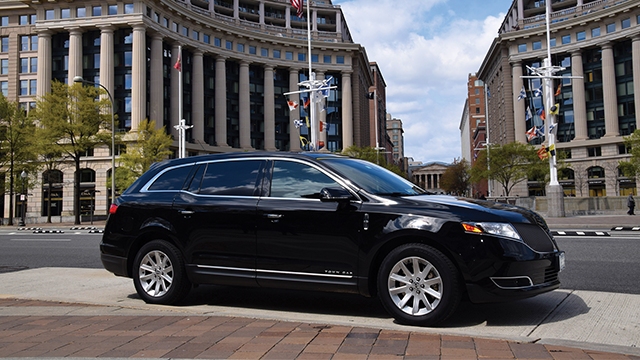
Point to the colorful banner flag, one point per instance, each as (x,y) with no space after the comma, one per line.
(523,94)
(178,65)
(552,150)
(559,88)
(543,153)
(540,113)
(304,141)
(292,105)
(298,123)
(298,5)
(538,92)
(306,101)
(531,134)
(528,115)
(554,109)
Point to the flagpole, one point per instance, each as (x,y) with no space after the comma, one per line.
(180,120)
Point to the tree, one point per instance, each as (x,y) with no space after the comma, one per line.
(456,178)
(16,151)
(370,154)
(152,145)
(508,164)
(78,121)
(50,155)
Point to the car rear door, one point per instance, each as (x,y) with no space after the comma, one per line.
(217,214)
(304,242)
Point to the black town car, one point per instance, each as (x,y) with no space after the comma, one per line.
(322,222)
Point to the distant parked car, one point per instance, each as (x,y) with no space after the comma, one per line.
(322,222)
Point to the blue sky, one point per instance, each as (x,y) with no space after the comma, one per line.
(425,50)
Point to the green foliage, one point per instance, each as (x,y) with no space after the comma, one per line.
(456,178)
(370,154)
(509,165)
(152,145)
(631,168)
(17,152)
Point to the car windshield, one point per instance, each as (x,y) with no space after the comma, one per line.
(373,178)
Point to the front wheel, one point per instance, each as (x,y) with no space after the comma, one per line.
(159,273)
(418,285)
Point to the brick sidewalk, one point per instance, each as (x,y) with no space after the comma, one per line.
(218,337)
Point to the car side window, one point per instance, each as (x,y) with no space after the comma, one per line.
(295,180)
(171,180)
(237,178)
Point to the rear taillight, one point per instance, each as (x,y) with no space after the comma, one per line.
(113,208)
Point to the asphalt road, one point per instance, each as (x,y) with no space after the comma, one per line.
(593,263)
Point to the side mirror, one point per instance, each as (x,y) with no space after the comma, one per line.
(335,194)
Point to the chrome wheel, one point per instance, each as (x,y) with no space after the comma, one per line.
(415,286)
(156,273)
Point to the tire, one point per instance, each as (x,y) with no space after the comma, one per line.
(424,297)
(159,273)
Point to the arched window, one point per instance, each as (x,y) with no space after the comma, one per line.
(596,181)
(595,172)
(52,184)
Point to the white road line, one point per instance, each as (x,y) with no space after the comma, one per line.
(41,240)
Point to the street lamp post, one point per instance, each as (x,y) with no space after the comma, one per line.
(79,79)
(23,197)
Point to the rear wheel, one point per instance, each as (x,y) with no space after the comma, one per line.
(159,273)
(418,285)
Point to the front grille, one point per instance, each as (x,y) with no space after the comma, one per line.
(536,237)
(550,274)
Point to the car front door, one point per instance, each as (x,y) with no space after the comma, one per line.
(304,242)
(218,220)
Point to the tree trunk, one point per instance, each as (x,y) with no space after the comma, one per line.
(76,191)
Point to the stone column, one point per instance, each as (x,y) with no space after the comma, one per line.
(139,77)
(261,10)
(75,55)
(609,91)
(579,102)
(244,111)
(221,101)
(236,9)
(347,116)
(106,59)
(519,110)
(635,55)
(197,93)
(269,110)
(339,23)
(287,17)
(175,96)
(294,134)
(156,82)
(44,63)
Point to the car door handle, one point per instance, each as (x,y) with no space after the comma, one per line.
(273,216)
(187,212)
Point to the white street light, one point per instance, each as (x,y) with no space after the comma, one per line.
(79,79)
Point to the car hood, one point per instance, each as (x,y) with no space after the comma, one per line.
(472,210)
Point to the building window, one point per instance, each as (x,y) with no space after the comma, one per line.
(195,35)
(314,58)
(623,149)
(24,65)
(302,57)
(522,48)
(327,59)
(566,39)
(395,137)
(477,110)
(611,28)
(477,91)
(537,45)
(4,21)
(165,22)
(229,45)
(81,12)
(594,151)
(552,42)
(24,20)
(96,11)
(5,44)
(252,50)
(175,27)
(339,59)
(65,13)
(4,88)
(206,38)
(185,31)
(48,15)
(288,55)
(34,65)
(595,32)
(113,9)
(264,52)
(33,87)
(217,42)
(626,23)
(477,101)
(276,54)
(4,68)
(128,9)
(582,35)
(34,43)
(24,43)
(24,87)
(240,48)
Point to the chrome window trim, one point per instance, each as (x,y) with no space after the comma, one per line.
(493,278)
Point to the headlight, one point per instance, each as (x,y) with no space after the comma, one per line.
(500,229)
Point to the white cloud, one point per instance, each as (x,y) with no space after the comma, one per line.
(425,56)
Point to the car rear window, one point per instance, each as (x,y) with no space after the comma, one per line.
(171,179)
(237,178)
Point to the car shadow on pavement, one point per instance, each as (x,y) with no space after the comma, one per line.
(528,312)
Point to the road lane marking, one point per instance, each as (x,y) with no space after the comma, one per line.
(40,239)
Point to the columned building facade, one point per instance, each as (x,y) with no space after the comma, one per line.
(238,58)
(597,41)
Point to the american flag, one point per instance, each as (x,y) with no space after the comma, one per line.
(298,5)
